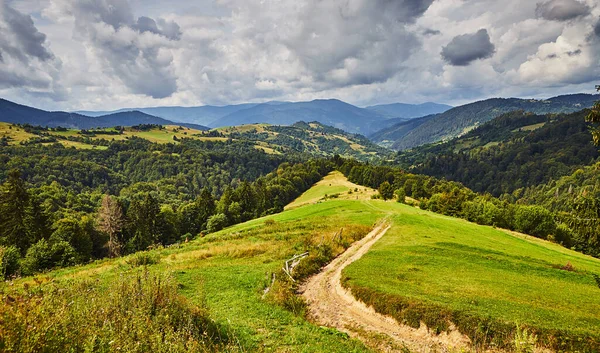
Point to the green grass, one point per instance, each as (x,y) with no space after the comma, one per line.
(334,183)
(226,273)
(437,264)
(461,267)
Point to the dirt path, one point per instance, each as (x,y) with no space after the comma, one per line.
(333,306)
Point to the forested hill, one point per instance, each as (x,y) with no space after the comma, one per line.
(514,151)
(313,138)
(460,120)
(20,114)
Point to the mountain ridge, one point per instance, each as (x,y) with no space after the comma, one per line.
(461,119)
(15,113)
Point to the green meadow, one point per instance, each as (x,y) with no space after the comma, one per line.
(429,262)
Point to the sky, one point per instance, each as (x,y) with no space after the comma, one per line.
(111,54)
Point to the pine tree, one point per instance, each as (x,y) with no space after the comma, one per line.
(143,227)
(111,221)
(14,202)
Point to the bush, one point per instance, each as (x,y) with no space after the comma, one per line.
(45,255)
(9,261)
(143,258)
(386,190)
(216,223)
(534,220)
(400,195)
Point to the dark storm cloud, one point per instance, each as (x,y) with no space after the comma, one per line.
(19,37)
(466,48)
(597,29)
(431,32)
(346,43)
(561,10)
(169,29)
(404,10)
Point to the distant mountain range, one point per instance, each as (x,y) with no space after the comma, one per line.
(330,112)
(204,115)
(398,126)
(459,120)
(20,114)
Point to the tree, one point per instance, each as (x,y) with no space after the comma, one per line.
(594,118)
(216,222)
(37,221)
(110,221)
(401,195)
(14,202)
(143,228)
(386,190)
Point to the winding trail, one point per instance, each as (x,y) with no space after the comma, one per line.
(332,305)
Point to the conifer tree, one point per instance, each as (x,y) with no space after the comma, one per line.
(14,202)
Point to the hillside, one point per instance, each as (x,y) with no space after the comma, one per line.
(233,278)
(20,114)
(409,111)
(312,138)
(459,120)
(513,151)
(388,136)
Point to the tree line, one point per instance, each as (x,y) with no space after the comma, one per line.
(576,228)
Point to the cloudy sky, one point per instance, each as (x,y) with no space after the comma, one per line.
(108,54)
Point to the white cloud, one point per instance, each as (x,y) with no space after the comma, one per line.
(106,54)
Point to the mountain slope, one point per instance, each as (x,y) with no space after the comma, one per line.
(20,114)
(313,138)
(513,151)
(387,137)
(203,115)
(459,120)
(409,111)
(330,112)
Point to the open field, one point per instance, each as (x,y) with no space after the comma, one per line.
(432,263)
(14,134)
(333,184)
(449,267)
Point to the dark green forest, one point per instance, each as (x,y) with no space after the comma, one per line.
(514,151)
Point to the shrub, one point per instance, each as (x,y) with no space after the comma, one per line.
(216,223)
(400,195)
(9,261)
(143,258)
(534,220)
(45,255)
(386,190)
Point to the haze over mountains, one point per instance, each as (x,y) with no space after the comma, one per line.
(331,112)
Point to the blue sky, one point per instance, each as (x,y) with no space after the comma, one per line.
(109,54)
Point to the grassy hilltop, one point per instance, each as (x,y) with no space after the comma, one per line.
(434,267)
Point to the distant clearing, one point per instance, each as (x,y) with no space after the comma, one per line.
(333,184)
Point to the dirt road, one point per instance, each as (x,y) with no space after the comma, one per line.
(332,305)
